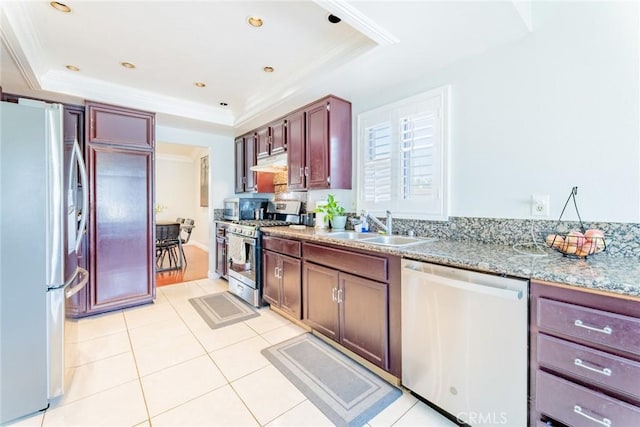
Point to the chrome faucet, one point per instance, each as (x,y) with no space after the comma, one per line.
(388,228)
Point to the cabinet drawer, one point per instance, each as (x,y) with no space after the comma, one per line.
(283,246)
(590,365)
(578,406)
(359,264)
(590,325)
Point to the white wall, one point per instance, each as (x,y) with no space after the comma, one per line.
(558,109)
(175,187)
(221,175)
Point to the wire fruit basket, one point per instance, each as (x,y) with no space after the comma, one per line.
(580,243)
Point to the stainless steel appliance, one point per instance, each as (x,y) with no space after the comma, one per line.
(40,229)
(241,208)
(464,342)
(245,249)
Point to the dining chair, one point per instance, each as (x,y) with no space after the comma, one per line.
(186,228)
(169,245)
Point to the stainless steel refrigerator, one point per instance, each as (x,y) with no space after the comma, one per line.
(41,224)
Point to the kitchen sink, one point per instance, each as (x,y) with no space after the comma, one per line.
(396,240)
(348,235)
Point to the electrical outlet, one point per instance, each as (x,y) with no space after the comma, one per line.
(540,205)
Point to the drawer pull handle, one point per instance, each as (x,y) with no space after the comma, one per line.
(606,330)
(603,371)
(333,294)
(605,421)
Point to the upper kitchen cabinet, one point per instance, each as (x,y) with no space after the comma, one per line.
(271,139)
(239,164)
(246,180)
(120,126)
(278,141)
(120,162)
(296,151)
(263,142)
(326,149)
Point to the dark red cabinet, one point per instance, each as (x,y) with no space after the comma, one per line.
(281,274)
(353,298)
(222,266)
(263,142)
(296,154)
(323,159)
(120,162)
(585,357)
(278,141)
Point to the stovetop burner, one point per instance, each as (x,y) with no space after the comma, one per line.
(262,222)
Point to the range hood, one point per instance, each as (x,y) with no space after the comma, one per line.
(273,164)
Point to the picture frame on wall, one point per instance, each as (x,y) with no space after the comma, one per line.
(204,181)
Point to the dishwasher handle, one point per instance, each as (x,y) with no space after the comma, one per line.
(506,293)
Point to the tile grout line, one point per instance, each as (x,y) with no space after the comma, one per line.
(135,360)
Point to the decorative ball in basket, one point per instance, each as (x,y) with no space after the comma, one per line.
(577,243)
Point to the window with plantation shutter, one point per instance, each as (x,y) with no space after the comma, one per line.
(402,159)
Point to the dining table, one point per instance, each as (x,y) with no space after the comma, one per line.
(168,246)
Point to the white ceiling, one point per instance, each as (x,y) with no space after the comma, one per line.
(174,44)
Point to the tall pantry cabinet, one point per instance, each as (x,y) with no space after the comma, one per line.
(120,160)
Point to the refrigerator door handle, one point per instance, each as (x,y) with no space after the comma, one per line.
(72,290)
(85,193)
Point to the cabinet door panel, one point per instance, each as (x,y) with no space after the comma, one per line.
(319,309)
(262,143)
(120,126)
(271,291)
(317,146)
(122,263)
(250,184)
(239,165)
(290,296)
(296,151)
(364,322)
(278,137)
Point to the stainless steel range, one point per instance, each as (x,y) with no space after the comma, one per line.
(245,249)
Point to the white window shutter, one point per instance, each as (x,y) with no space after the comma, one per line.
(402,150)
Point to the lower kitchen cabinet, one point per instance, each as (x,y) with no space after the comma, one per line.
(222,264)
(360,311)
(281,269)
(348,309)
(585,357)
(282,282)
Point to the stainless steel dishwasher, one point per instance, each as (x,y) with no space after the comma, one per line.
(464,342)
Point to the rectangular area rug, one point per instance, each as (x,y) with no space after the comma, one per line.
(222,309)
(346,392)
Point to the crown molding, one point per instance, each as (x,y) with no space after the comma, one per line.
(359,21)
(18,35)
(275,96)
(100,90)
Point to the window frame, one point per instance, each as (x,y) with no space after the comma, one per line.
(392,112)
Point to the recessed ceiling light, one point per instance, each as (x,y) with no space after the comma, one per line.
(254,21)
(72,68)
(200,84)
(268,69)
(333,19)
(60,6)
(129,65)
(223,104)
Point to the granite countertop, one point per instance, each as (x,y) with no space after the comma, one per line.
(620,275)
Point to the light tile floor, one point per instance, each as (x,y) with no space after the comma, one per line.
(161,365)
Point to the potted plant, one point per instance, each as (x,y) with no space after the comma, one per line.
(334,212)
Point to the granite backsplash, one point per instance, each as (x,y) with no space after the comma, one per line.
(622,239)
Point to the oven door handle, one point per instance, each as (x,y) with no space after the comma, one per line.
(249,241)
